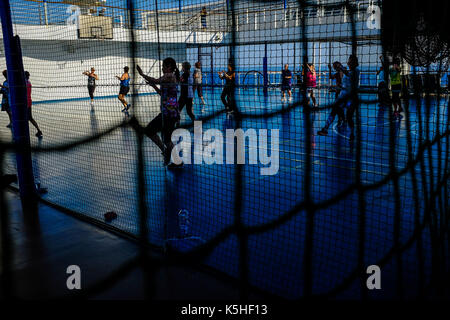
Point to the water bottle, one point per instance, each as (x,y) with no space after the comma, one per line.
(183,222)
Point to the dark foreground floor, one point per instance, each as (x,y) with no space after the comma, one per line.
(42,253)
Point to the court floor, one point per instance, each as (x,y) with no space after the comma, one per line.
(101,176)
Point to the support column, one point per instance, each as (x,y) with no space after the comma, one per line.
(18,104)
(265,74)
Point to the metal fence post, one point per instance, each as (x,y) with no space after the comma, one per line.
(265,74)
(45,12)
(18,103)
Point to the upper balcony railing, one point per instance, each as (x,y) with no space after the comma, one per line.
(249,18)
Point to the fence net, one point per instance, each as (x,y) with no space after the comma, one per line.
(345,159)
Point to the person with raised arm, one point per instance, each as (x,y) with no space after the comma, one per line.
(228,94)
(169,116)
(92,77)
(336,109)
(124,88)
(350,84)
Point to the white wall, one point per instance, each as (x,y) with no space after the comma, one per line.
(56,66)
(56,58)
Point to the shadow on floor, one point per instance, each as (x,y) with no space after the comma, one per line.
(45,247)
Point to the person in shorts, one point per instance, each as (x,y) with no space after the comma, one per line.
(165,122)
(29,103)
(384,100)
(186,92)
(228,92)
(311,82)
(396,86)
(198,81)
(350,87)
(5,99)
(124,88)
(92,77)
(286,83)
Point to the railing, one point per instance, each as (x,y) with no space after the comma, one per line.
(367,78)
(217,20)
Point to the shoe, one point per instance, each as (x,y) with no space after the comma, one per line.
(39,134)
(109,216)
(397,115)
(7,179)
(41,190)
(134,123)
(323,132)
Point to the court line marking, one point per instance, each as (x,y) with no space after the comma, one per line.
(368,124)
(87,98)
(374,145)
(368,163)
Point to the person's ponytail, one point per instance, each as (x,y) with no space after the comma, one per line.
(177,74)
